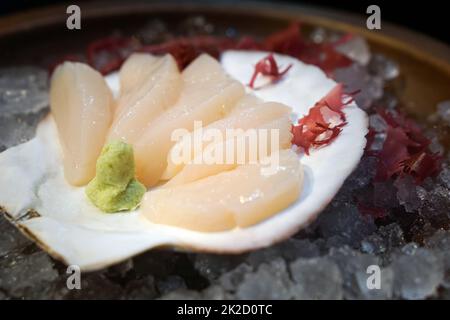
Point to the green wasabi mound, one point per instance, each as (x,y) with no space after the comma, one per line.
(114,187)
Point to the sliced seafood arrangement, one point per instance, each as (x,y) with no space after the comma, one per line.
(196,158)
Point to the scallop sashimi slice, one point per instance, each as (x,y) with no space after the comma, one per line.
(207,95)
(238,198)
(249,114)
(136,69)
(81,104)
(137,76)
(247,147)
(147,97)
(247,101)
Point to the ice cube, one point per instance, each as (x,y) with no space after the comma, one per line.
(316,278)
(231,279)
(271,281)
(25,275)
(440,240)
(417,275)
(356,77)
(320,35)
(363,174)
(378,141)
(443,111)
(388,101)
(345,221)
(215,292)
(170,283)
(140,289)
(377,122)
(440,243)
(409,195)
(289,250)
(182,294)
(196,25)
(385,291)
(350,262)
(384,241)
(444,177)
(393,235)
(18,128)
(373,244)
(437,204)
(23,90)
(154,31)
(410,248)
(10,238)
(384,195)
(384,67)
(211,266)
(356,49)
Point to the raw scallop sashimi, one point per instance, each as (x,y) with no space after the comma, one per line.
(207,95)
(136,69)
(250,112)
(146,96)
(238,198)
(81,104)
(247,147)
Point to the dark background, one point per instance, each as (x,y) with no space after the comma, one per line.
(429,17)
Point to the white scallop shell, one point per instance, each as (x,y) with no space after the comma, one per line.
(71,229)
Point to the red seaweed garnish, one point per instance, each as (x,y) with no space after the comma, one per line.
(288,41)
(324,121)
(268,66)
(107,54)
(248,43)
(405,150)
(422,165)
(185,50)
(324,55)
(393,153)
(343,39)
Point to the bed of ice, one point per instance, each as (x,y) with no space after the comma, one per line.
(328,260)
